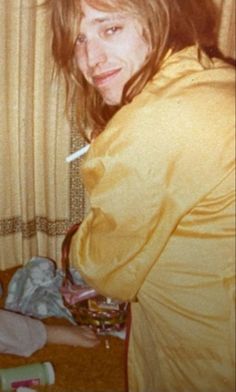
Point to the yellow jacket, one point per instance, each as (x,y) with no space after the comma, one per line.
(160,231)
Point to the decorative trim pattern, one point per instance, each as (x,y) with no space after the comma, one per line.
(77,201)
(29,229)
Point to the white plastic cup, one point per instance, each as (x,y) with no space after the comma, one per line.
(29,376)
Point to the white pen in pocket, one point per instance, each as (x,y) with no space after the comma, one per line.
(78,153)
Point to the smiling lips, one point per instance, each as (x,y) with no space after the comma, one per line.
(105,77)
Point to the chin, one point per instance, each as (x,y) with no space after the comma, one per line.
(110,98)
(112,101)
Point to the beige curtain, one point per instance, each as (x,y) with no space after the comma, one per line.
(226,41)
(40,194)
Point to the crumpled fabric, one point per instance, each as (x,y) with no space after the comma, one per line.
(34,290)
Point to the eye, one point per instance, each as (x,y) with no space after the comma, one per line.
(81,39)
(112,30)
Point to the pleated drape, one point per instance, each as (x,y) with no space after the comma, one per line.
(226,40)
(40,194)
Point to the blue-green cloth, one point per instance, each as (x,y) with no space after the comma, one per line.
(34,290)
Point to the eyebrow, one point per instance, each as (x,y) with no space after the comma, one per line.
(101,20)
(105,19)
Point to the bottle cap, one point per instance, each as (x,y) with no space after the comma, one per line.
(51,373)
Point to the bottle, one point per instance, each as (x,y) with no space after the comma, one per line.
(26,376)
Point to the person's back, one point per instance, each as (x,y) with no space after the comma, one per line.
(184,313)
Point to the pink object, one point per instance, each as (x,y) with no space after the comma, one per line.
(73,293)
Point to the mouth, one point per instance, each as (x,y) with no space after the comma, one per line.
(105,77)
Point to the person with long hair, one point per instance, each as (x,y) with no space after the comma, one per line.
(157,104)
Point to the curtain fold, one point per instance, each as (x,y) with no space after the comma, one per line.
(40,194)
(226,40)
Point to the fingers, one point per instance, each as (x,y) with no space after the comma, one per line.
(86,337)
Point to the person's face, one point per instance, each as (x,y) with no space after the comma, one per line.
(110,49)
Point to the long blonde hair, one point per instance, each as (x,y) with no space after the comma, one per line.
(167,24)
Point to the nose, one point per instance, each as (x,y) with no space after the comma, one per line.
(96,53)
